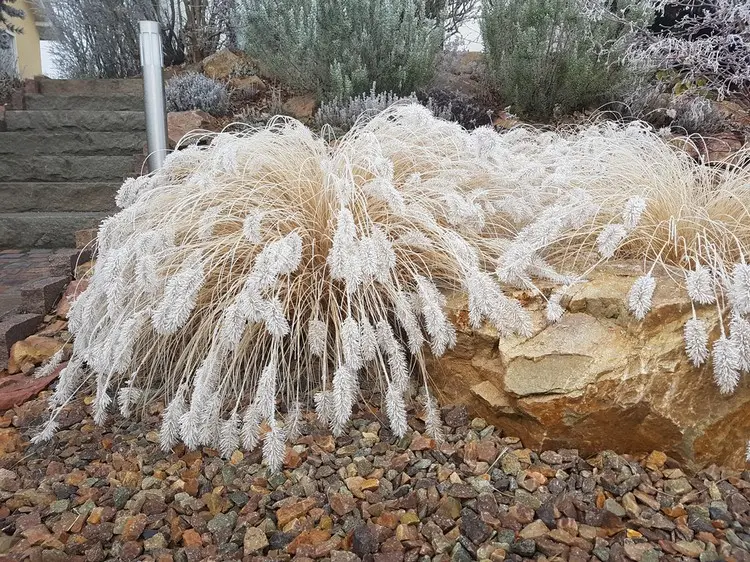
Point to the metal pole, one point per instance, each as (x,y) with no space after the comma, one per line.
(153,93)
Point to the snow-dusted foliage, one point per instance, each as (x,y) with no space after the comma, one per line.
(196,91)
(270,270)
(709,46)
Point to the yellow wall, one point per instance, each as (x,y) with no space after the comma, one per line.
(27,43)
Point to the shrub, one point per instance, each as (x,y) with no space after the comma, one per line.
(271,270)
(691,113)
(547,56)
(342,115)
(338,49)
(197,91)
(696,115)
(707,46)
(9,77)
(99,38)
(451,106)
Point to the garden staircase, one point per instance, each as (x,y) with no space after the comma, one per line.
(65,148)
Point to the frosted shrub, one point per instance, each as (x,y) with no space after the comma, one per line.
(340,48)
(196,91)
(9,77)
(708,47)
(270,271)
(99,38)
(695,114)
(688,113)
(342,114)
(547,56)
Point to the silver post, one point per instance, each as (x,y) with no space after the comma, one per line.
(153,93)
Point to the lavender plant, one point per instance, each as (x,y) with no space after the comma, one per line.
(556,56)
(270,271)
(196,91)
(338,49)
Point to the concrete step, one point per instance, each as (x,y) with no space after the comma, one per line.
(72,142)
(92,87)
(58,196)
(79,102)
(23,120)
(19,168)
(44,230)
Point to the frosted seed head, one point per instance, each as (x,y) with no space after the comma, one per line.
(640,296)
(610,239)
(696,341)
(700,285)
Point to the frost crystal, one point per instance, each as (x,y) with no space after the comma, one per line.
(696,341)
(251,227)
(700,285)
(180,296)
(274,447)
(344,259)
(350,343)
(740,288)
(433,425)
(739,333)
(441,331)
(50,365)
(229,435)
(46,433)
(640,295)
(555,310)
(169,434)
(317,336)
(726,359)
(293,425)
(610,238)
(345,387)
(368,340)
(396,410)
(634,208)
(265,393)
(251,428)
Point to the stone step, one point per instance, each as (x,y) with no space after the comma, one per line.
(58,196)
(19,168)
(72,142)
(80,102)
(92,87)
(44,230)
(22,120)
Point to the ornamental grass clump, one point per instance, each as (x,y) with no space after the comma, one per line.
(271,271)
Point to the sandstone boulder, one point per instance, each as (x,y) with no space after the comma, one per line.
(221,64)
(32,351)
(300,107)
(599,379)
(248,86)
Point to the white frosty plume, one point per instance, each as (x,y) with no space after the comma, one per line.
(640,295)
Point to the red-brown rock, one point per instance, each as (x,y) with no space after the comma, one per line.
(180,123)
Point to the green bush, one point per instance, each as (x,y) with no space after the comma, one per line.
(338,48)
(548,56)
